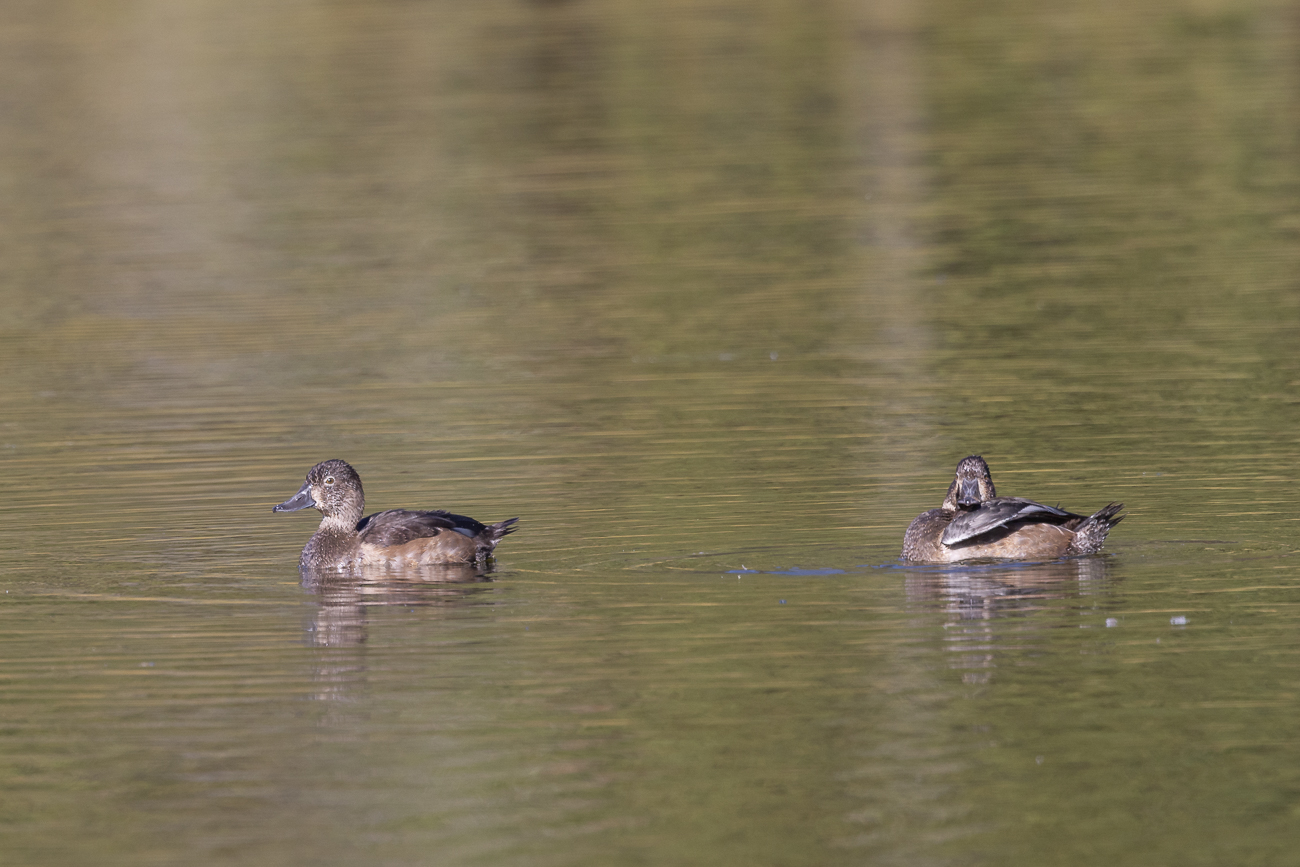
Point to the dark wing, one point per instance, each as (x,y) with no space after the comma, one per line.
(399,526)
(996,513)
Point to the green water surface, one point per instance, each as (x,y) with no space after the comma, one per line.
(714,296)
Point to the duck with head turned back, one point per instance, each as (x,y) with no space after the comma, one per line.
(974,523)
(398,537)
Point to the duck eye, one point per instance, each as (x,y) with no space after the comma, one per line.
(329,480)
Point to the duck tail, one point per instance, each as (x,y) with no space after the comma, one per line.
(1090,535)
(497,532)
(489,536)
(493,533)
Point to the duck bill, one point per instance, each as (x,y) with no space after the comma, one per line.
(299,501)
(968,494)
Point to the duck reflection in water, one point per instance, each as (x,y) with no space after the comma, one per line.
(974,523)
(987,590)
(974,598)
(346,596)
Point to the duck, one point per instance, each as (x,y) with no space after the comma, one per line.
(395,538)
(974,523)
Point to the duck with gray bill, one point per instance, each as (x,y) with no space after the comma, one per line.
(395,538)
(974,523)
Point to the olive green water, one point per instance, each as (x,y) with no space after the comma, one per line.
(714,296)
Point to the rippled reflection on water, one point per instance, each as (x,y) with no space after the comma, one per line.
(344,597)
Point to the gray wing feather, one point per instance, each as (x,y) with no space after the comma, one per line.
(994,514)
(399,526)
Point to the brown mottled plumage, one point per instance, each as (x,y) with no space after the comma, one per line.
(974,523)
(398,537)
